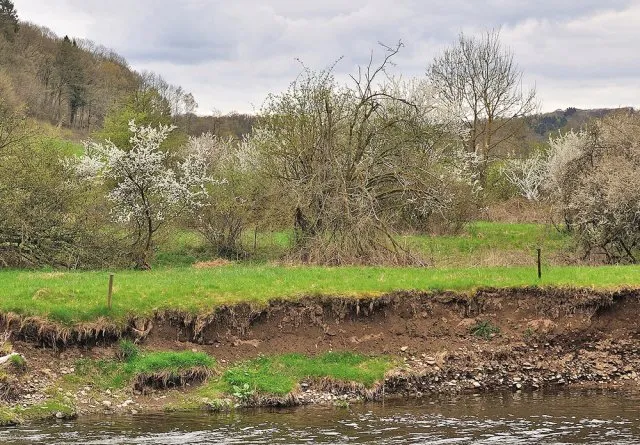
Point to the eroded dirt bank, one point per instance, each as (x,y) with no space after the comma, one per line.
(546,337)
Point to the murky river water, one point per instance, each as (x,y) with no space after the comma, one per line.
(593,417)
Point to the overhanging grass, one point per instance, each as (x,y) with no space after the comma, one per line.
(72,297)
(280,374)
(114,374)
(167,361)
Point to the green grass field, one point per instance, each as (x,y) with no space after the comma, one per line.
(480,243)
(483,255)
(71,297)
(491,244)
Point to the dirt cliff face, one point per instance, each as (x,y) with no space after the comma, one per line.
(404,322)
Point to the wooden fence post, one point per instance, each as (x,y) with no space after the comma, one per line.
(110,291)
(539,263)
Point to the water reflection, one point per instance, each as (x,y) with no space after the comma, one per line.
(593,417)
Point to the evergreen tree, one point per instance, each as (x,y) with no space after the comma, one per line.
(72,76)
(8,19)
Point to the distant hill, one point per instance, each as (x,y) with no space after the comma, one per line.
(546,124)
(75,83)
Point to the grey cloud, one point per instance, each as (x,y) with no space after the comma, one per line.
(231,54)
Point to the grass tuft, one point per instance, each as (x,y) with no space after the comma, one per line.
(484,329)
(18,362)
(280,374)
(156,369)
(127,350)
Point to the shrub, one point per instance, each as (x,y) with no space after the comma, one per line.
(595,176)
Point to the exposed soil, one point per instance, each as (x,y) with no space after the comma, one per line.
(547,337)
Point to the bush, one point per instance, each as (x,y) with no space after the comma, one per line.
(595,176)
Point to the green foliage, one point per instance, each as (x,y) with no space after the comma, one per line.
(243,392)
(144,108)
(484,329)
(279,374)
(127,350)
(47,218)
(18,362)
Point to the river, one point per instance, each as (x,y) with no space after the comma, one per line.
(567,417)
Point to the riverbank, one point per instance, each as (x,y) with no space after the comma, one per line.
(72,298)
(411,344)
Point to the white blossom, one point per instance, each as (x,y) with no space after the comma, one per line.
(149,186)
(527,175)
(563,150)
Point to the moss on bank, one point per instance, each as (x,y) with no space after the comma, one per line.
(57,406)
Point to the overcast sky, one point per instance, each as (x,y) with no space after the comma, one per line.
(231,53)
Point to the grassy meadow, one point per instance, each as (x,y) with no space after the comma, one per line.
(462,263)
(71,297)
(480,243)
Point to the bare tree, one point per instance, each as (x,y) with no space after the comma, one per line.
(348,158)
(479,78)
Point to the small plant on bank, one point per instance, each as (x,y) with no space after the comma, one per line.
(18,362)
(484,329)
(127,350)
(528,334)
(242,392)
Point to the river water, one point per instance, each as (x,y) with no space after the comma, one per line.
(585,417)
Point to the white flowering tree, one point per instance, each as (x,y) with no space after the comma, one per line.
(527,175)
(147,186)
(594,181)
(563,150)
